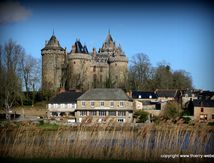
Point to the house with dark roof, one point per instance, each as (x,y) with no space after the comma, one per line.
(203,110)
(63,104)
(146,101)
(104,105)
(167,94)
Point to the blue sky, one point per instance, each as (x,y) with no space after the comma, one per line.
(179,33)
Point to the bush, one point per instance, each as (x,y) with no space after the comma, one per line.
(141,116)
(210,124)
(172,110)
(186,119)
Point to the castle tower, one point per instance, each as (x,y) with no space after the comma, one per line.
(53,57)
(79,62)
(118,62)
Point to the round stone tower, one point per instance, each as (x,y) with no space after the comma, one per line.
(119,68)
(118,62)
(53,58)
(79,62)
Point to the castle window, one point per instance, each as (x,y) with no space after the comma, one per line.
(74,62)
(116,77)
(101,69)
(202,109)
(115,64)
(94,69)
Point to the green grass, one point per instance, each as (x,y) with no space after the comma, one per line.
(48,126)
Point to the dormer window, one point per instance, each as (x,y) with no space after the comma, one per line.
(139,96)
(150,96)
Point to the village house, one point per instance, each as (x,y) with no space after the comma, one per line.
(104,105)
(147,101)
(63,104)
(203,110)
(165,95)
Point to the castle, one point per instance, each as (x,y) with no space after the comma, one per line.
(82,70)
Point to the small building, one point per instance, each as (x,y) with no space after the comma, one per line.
(203,110)
(147,101)
(104,105)
(63,104)
(165,95)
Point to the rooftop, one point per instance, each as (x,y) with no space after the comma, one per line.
(65,97)
(203,103)
(144,95)
(53,43)
(104,94)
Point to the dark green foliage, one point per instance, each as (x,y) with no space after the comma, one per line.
(141,116)
(172,110)
(186,119)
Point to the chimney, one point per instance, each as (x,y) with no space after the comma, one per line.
(94,52)
(73,48)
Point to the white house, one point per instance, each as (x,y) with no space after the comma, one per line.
(63,104)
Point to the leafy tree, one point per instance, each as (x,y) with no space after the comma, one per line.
(182,80)
(172,110)
(163,77)
(141,116)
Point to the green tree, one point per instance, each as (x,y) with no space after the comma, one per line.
(172,110)
(182,80)
(140,116)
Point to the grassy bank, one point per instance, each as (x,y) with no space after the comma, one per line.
(105,142)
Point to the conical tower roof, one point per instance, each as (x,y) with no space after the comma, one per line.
(53,43)
(108,39)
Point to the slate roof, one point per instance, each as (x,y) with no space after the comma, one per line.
(80,48)
(203,103)
(65,97)
(53,43)
(166,93)
(144,95)
(104,94)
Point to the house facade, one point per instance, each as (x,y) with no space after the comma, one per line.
(63,104)
(147,101)
(104,105)
(203,110)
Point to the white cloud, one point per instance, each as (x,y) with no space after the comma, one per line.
(11,12)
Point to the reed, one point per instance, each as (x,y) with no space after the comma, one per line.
(106,141)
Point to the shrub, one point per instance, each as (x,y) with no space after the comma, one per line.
(172,110)
(186,119)
(141,116)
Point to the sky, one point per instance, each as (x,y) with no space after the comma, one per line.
(178,33)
